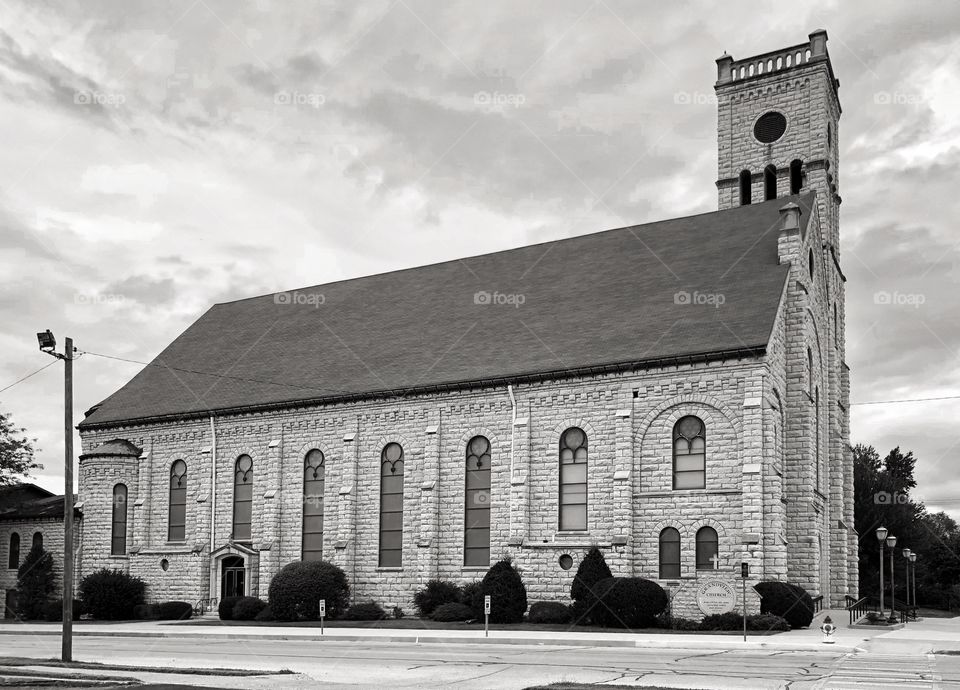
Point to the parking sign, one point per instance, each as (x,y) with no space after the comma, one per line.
(323,608)
(486,604)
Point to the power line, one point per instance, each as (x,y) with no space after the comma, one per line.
(27,376)
(219,376)
(906,400)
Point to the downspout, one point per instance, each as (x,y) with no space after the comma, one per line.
(513,426)
(213,503)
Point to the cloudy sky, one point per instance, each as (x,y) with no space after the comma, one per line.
(160,157)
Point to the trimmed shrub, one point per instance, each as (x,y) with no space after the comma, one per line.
(435,593)
(111,595)
(366,611)
(397,612)
(627,602)
(549,612)
(508,596)
(767,621)
(34,584)
(452,612)
(225,607)
(685,624)
(266,614)
(175,610)
(470,595)
(147,612)
(722,621)
(296,591)
(592,569)
(53,610)
(787,600)
(247,608)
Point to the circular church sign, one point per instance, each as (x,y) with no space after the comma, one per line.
(716,596)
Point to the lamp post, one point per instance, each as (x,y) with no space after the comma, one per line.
(892,543)
(48,344)
(881,537)
(906,569)
(913,567)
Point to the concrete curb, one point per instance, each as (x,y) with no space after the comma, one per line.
(668,641)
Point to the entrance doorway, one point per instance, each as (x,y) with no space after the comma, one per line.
(233,577)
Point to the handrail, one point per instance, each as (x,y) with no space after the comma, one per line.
(817,604)
(204,605)
(859,608)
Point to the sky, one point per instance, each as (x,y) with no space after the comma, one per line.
(162,157)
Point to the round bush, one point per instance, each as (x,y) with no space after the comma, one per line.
(508,596)
(471,595)
(296,591)
(435,593)
(592,569)
(225,607)
(53,610)
(175,610)
(266,614)
(111,595)
(789,601)
(628,602)
(452,612)
(366,611)
(549,612)
(247,608)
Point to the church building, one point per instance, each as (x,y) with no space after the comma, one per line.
(674,393)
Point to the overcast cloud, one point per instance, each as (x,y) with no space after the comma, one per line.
(160,157)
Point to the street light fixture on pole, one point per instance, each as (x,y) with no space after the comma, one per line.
(48,344)
(892,543)
(881,537)
(906,559)
(913,567)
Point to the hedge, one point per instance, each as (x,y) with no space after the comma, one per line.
(452,612)
(296,591)
(225,607)
(175,610)
(435,593)
(111,595)
(627,602)
(549,612)
(53,610)
(789,601)
(247,608)
(366,611)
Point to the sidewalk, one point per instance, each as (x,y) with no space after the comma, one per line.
(798,640)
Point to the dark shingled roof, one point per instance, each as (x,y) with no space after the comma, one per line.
(48,507)
(607,298)
(117,448)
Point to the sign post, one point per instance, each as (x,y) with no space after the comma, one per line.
(744,574)
(323,613)
(486,616)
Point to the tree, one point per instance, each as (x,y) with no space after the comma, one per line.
(35,583)
(16,452)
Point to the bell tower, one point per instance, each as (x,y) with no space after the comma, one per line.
(777,118)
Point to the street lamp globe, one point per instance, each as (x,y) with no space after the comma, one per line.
(891,541)
(906,553)
(912,557)
(881,533)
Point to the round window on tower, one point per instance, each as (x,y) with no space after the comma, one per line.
(770,127)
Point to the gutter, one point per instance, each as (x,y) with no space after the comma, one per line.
(513,425)
(213,499)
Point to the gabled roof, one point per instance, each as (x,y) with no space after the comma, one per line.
(610,298)
(15,494)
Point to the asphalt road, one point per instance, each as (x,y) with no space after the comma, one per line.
(406,665)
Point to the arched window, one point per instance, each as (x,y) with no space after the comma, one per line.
(746,191)
(37,540)
(391,506)
(314,472)
(476,519)
(810,371)
(796,176)
(836,325)
(13,556)
(242,498)
(770,182)
(810,262)
(689,454)
(177,515)
(816,424)
(573,479)
(669,553)
(708,549)
(118,533)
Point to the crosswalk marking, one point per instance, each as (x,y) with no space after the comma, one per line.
(882,671)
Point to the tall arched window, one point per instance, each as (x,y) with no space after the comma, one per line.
(746,189)
(476,519)
(796,176)
(391,506)
(177,515)
(669,553)
(118,533)
(13,555)
(810,371)
(37,540)
(770,182)
(573,479)
(810,262)
(242,498)
(689,453)
(708,549)
(314,472)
